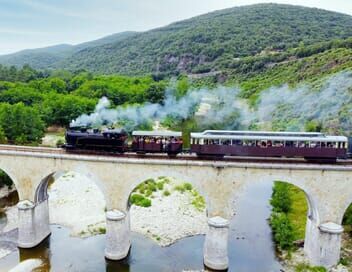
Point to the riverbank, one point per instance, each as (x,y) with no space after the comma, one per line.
(289,213)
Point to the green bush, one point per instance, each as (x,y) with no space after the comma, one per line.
(5,179)
(166,193)
(140,200)
(198,202)
(347,219)
(282,230)
(188,186)
(148,192)
(281,198)
(183,187)
(160,185)
(180,188)
(308,268)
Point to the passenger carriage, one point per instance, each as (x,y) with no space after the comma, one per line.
(312,146)
(169,142)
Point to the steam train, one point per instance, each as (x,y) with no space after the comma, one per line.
(312,146)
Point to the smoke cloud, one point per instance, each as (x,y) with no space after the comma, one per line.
(209,106)
(330,103)
(326,104)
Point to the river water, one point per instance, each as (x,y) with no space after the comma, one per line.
(250,246)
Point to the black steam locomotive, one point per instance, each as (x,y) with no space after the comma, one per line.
(114,140)
(313,146)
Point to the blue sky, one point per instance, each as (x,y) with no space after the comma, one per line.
(38,23)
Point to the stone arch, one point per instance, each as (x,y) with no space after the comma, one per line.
(41,191)
(343,208)
(185,178)
(169,210)
(86,213)
(300,183)
(14,180)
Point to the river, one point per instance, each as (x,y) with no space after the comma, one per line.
(250,246)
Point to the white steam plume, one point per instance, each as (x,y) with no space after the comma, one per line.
(323,104)
(223,106)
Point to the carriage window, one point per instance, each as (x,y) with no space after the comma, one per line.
(278,144)
(289,144)
(303,144)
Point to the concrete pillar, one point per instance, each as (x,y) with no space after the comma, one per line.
(33,226)
(311,246)
(323,243)
(216,244)
(118,241)
(330,244)
(42,225)
(26,224)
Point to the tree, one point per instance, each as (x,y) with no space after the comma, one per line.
(60,109)
(155,94)
(21,124)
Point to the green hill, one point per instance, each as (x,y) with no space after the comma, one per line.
(205,44)
(211,42)
(48,57)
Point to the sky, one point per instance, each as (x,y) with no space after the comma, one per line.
(39,23)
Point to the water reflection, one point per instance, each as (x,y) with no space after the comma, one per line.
(250,246)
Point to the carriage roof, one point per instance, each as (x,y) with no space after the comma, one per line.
(262,133)
(157,133)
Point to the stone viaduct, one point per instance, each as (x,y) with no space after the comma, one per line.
(327,187)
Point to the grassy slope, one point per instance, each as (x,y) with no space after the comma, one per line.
(310,69)
(298,213)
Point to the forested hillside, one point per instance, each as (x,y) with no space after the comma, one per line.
(207,43)
(48,57)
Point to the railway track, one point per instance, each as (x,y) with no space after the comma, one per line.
(181,156)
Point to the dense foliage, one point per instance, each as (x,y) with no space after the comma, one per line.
(283,230)
(281,198)
(207,43)
(28,106)
(5,179)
